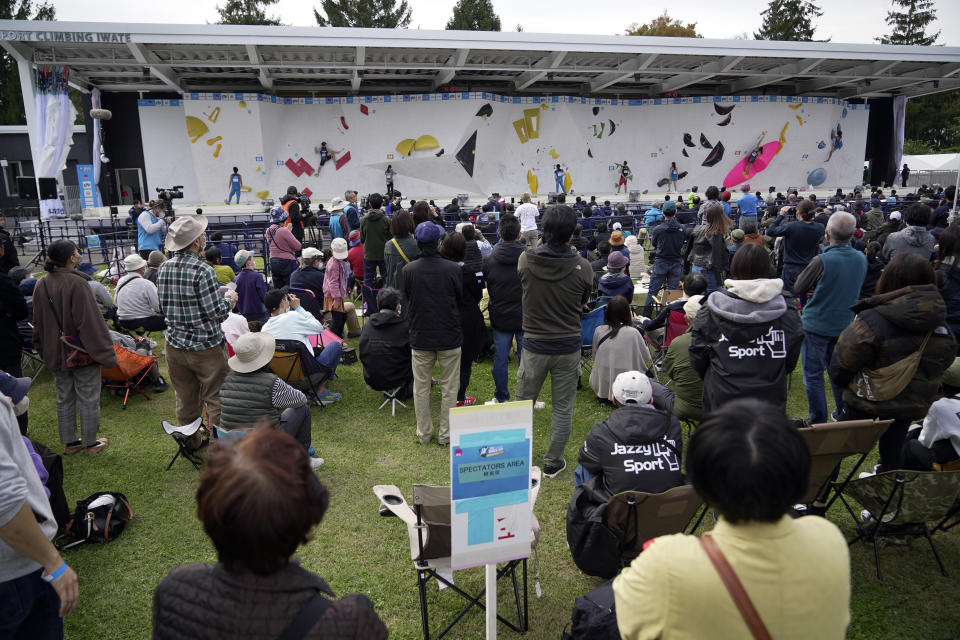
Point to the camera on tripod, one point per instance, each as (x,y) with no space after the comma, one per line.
(168,195)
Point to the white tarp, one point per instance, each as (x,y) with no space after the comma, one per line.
(54,124)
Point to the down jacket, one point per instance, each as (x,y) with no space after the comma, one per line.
(745,342)
(888,328)
(204,601)
(385,351)
(503,283)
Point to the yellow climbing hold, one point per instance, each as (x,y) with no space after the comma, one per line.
(532,121)
(532,181)
(405,146)
(242,104)
(794,106)
(520,127)
(426,142)
(196,128)
(554,154)
(567,182)
(263,195)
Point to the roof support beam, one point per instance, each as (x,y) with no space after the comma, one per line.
(624,71)
(455,61)
(937,86)
(162,71)
(874,87)
(359,60)
(541,68)
(257,61)
(783,72)
(846,76)
(706,71)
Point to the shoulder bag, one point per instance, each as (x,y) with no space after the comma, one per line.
(312,611)
(730,580)
(399,250)
(885,383)
(76,356)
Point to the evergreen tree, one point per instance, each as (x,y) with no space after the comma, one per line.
(384,14)
(788,20)
(11,101)
(246,12)
(474,15)
(909,25)
(664,26)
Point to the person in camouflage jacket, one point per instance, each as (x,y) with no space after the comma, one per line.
(889,327)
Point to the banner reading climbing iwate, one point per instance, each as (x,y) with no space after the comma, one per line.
(490,452)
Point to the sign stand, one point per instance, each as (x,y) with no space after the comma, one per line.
(491,575)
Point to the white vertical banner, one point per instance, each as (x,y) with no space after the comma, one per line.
(54,120)
(899,123)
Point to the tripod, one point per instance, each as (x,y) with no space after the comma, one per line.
(41,256)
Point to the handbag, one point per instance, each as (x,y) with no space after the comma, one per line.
(730,580)
(100,517)
(885,383)
(76,356)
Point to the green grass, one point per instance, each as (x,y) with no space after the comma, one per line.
(358,551)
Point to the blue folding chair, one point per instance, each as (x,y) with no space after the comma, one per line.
(588,326)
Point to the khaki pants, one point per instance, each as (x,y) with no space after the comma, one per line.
(530,238)
(353,325)
(196,377)
(422,362)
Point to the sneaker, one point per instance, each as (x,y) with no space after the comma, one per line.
(539,405)
(100,445)
(73,447)
(328,397)
(162,386)
(552,472)
(809,509)
(469,401)
(434,382)
(866,474)
(490,402)
(316,462)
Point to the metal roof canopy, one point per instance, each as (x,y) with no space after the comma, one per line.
(327,60)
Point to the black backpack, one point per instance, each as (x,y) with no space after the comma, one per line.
(595,549)
(594,616)
(53,463)
(100,517)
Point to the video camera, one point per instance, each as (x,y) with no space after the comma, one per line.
(168,195)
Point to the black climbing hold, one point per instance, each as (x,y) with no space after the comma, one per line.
(704,142)
(715,156)
(724,122)
(722,110)
(688,140)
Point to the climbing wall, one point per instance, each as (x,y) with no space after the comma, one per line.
(442,144)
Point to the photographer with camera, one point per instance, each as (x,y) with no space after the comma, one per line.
(151,226)
(292,205)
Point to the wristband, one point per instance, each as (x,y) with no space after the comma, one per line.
(56,574)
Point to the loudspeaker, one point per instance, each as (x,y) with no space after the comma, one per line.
(463,198)
(552,197)
(48,188)
(27,188)
(634,196)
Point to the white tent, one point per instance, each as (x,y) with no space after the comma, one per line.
(933,162)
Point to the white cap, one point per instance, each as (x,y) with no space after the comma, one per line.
(617,225)
(339,248)
(895,215)
(133,262)
(311,253)
(632,387)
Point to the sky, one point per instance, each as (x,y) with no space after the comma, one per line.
(857,21)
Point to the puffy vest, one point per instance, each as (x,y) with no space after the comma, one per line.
(245,398)
(152,241)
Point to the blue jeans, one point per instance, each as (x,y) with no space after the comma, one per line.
(30,608)
(817,351)
(663,271)
(369,288)
(745,220)
(234,191)
(580,475)
(560,188)
(329,358)
(501,344)
(711,277)
(790,274)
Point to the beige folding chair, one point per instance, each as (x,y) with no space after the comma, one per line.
(829,444)
(636,516)
(428,530)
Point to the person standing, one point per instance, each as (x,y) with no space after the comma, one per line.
(235,183)
(556,284)
(801,242)
(914,238)
(527,213)
(37,588)
(283,248)
(506,303)
(8,249)
(290,203)
(433,287)
(674,176)
(624,175)
(667,238)
(747,206)
(558,175)
(351,211)
(65,306)
(904,175)
(388,174)
(374,234)
(190,300)
(402,247)
(151,225)
(832,280)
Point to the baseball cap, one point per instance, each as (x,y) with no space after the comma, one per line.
(354,237)
(895,215)
(617,226)
(669,207)
(311,253)
(875,202)
(428,232)
(240,257)
(632,387)
(738,235)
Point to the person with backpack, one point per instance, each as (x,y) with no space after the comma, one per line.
(290,203)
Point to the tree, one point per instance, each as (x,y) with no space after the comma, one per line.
(934,121)
(383,14)
(474,15)
(664,26)
(909,26)
(788,20)
(11,101)
(246,12)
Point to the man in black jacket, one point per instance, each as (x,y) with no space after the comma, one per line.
(291,204)
(637,448)
(311,273)
(506,302)
(385,347)
(667,241)
(433,286)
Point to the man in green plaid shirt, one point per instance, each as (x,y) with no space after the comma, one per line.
(190,301)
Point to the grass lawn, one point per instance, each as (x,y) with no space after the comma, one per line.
(355,550)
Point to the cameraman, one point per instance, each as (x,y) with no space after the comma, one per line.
(291,204)
(151,227)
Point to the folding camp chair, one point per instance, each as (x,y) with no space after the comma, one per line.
(132,368)
(829,444)
(902,503)
(588,325)
(309,302)
(428,530)
(635,517)
(181,435)
(391,397)
(30,360)
(298,368)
